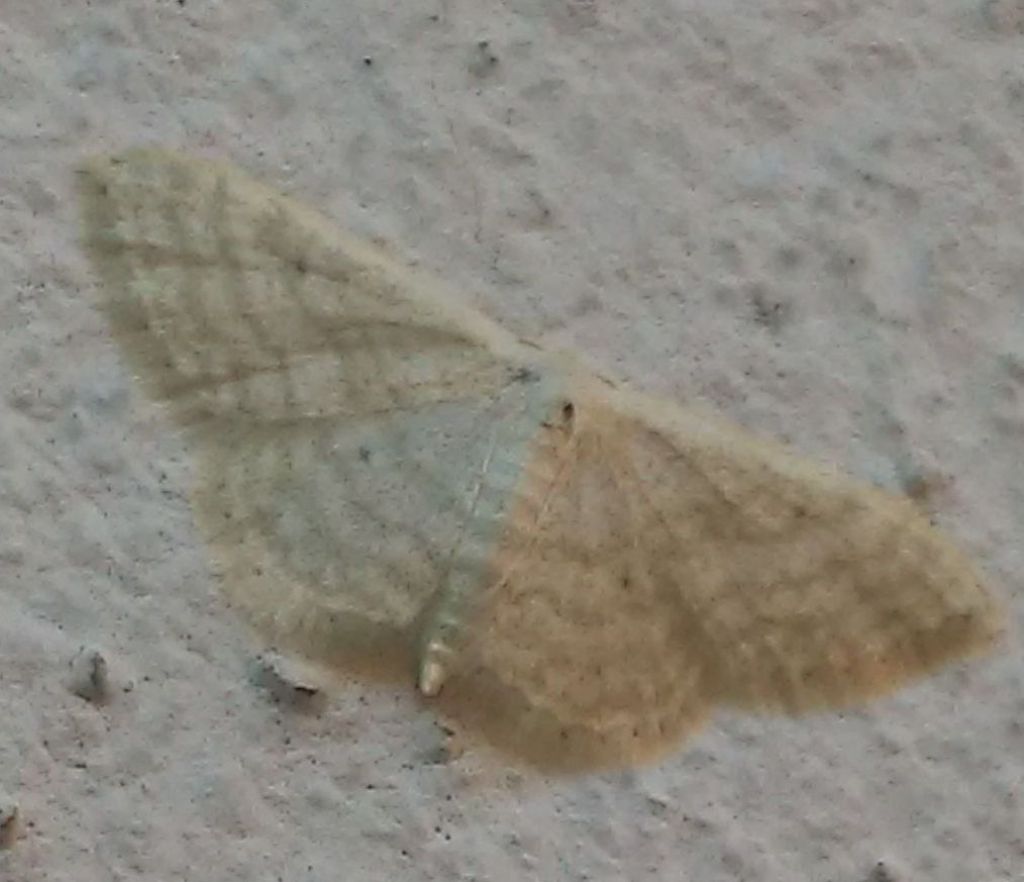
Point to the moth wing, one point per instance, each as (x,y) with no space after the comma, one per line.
(234,302)
(581,654)
(671,564)
(358,434)
(338,538)
(811,589)
(370,452)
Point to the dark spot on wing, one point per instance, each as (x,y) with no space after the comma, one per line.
(525,375)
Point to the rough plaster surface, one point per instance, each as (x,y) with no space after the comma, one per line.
(805,214)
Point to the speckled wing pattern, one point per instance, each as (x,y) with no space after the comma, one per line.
(390,481)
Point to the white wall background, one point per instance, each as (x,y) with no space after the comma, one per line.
(807,213)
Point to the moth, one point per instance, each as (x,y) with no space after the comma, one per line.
(392,483)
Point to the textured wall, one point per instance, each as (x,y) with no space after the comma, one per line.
(808,216)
